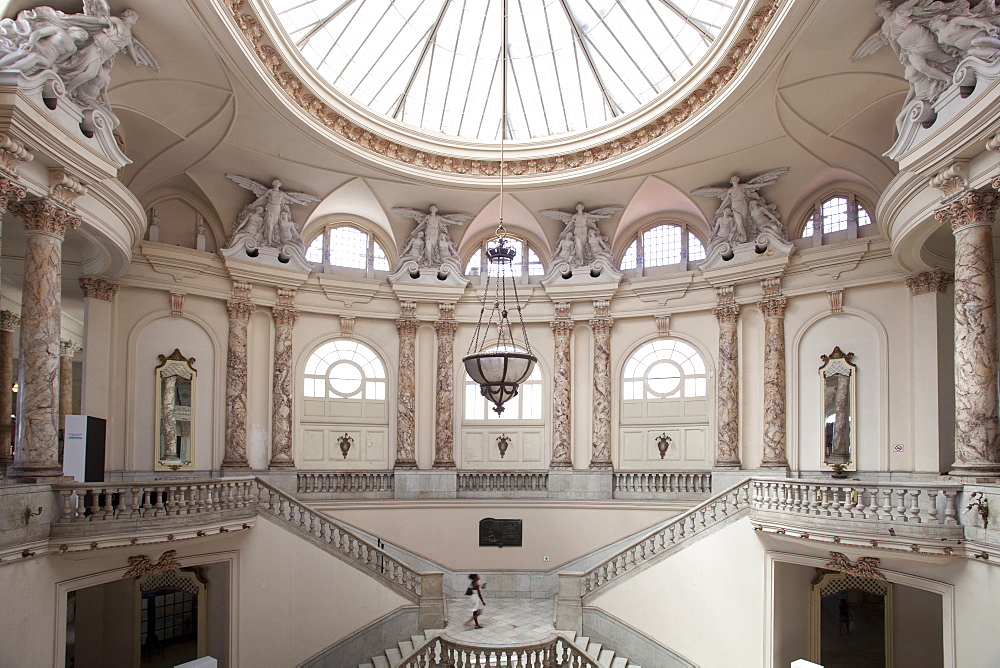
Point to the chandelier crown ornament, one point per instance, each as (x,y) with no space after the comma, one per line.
(499,368)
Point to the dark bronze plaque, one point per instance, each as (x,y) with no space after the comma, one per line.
(499,533)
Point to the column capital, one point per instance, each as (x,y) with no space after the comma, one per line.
(46,216)
(284,316)
(968,209)
(10,190)
(601,326)
(407,326)
(773,307)
(446,328)
(69,348)
(935,280)
(9,321)
(239,310)
(727,314)
(562,327)
(98,288)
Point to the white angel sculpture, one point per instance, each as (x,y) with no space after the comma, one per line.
(267,221)
(79,48)
(930,37)
(429,244)
(743,213)
(580,243)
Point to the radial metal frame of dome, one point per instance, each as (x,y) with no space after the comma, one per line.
(573,65)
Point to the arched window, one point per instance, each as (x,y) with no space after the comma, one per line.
(348,246)
(525,263)
(835,214)
(664,403)
(662,245)
(345,416)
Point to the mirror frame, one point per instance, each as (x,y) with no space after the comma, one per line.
(174,364)
(837,363)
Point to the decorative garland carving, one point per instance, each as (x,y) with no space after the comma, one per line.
(362,137)
(142,565)
(864,567)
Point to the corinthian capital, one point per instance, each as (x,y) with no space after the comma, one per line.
(970,208)
(9,321)
(69,348)
(284,316)
(727,314)
(929,281)
(239,310)
(407,326)
(445,328)
(98,288)
(774,307)
(601,326)
(562,327)
(45,215)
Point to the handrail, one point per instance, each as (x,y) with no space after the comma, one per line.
(336,538)
(556,652)
(726,504)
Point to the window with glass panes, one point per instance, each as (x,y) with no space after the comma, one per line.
(343,245)
(169,614)
(525,263)
(664,369)
(345,369)
(662,245)
(526,405)
(834,213)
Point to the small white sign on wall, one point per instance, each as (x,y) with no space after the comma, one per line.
(898,447)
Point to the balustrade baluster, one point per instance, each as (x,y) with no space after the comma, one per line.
(914,507)
(900,505)
(932,511)
(81,507)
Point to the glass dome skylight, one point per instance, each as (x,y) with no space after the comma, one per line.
(571,65)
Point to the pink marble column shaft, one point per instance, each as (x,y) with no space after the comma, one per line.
(727,450)
(601,449)
(971,217)
(406,430)
(562,329)
(281,406)
(236,386)
(8,322)
(67,350)
(444,425)
(774,382)
(36,454)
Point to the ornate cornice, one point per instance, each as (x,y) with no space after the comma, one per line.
(970,208)
(365,138)
(98,288)
(727,313)
(284,317)
(239,310)
(935,280)
(774,307)
(9,321)
(45,215)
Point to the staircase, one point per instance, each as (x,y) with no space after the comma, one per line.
(597,655)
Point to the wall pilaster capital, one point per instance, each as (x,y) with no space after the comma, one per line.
(69,348)
(46,216)
(446,328)
(727,314)
(284,317)
(407,326)
(562,327)
(968,209)
(773,307)
(98,288)
(601,326)
(239,310)
(9,321)
(935,280)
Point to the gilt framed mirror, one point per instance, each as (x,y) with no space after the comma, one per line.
(838,389)
(174,424)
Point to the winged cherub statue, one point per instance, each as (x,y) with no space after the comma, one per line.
(743,213)
(79,48)
(429,244)
(267,221)
(580,243)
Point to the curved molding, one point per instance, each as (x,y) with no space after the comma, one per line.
(637,134)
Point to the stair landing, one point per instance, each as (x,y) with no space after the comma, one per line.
(506,621)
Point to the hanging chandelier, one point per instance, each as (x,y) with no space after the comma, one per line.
(500,367)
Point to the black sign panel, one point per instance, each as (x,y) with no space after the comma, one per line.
(499,533)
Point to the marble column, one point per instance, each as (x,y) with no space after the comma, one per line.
(281,409)
(727,407)
(8,322)
(236,385)
(562,329)
(773,309)
(971,215)
(406,429)
(36,454)
(601,326)
(444,424)
(67,350)
(99,353)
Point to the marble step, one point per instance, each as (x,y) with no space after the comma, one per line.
(395,656)
(605,658)
(594,650)
(406,647)
(380,662)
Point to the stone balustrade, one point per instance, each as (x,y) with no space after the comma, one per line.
(352,483)
(557,652)
(647,483)
(503,481)
(919,510)
(728,504)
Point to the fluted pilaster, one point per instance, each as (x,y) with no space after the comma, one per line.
(971,215)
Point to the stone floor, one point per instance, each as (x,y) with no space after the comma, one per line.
(506,621)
